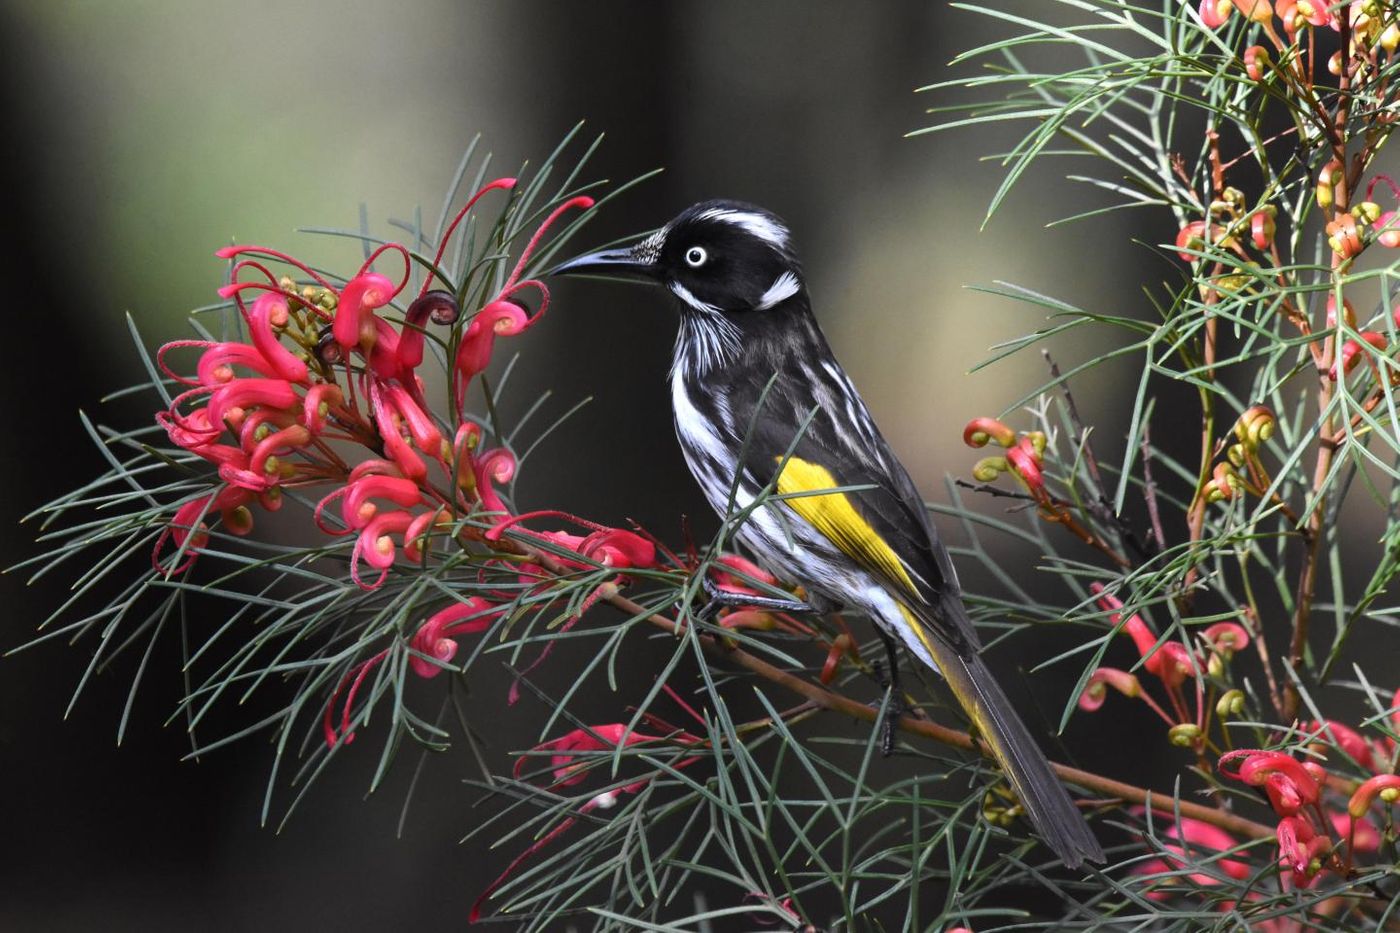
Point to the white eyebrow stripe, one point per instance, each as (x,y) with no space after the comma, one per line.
(765,228)
(783,288)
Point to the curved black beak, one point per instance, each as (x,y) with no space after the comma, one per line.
(610,263)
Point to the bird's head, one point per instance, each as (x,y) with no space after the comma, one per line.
(717,256)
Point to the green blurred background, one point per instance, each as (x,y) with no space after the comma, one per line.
(144,135)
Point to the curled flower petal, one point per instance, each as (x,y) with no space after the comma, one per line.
(434,637)
(1214,13)
(268,311)
(246,393)
(357,506)
(375,546)
(1096,691)
(320,399)
(357,301)
(1384,786)
(1227,637)
(981,431)
(277,443)
(494,466)
(440,307)
(1287,783)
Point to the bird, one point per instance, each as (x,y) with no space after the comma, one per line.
(765,414)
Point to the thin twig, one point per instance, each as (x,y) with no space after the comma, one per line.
(826,699)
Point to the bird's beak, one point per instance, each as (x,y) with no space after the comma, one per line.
(610,263)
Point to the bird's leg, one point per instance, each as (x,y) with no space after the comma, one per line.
(722,599)
(896,707)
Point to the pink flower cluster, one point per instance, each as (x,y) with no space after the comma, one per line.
(567,767)
(324,372)
(1314,834)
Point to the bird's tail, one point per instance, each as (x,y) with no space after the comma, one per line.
(1053,814)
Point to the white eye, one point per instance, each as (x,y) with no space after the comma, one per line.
(695,257)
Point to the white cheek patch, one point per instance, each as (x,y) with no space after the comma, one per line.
(686,295)
(783,288)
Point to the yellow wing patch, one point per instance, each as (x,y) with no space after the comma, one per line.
(835,517)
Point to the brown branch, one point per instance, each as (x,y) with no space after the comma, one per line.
(825,699)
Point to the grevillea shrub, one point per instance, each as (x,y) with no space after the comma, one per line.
(1240,595)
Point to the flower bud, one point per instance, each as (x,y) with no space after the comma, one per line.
(1367,212)
(1260,11)
(1184,734)
(1255,426)
(1327,180)
(980,431)
(1192,237)
(1262,226)
(1348,312)
(1334,64)
(1257,62)
(988,469)
(1231,703)
(1390,38)
(1214,13)
(1343,237)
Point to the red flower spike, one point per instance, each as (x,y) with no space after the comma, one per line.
(355,308)
(440,307)
(1025,463)
(1214,13)
(356,675)
(1227,638)
(420,426)
(229,252)
(1096,691)
(503,317)
(840,647)
(1169,662)
(418,536)
(594,739)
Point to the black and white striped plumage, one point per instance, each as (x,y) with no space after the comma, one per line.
(761,403)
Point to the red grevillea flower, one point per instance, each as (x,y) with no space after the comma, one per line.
(1289,785)
(1204,839)
(435,638)
(566,773)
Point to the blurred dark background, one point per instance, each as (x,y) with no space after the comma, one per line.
(144,135)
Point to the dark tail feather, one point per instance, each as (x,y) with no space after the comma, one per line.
(1047,803)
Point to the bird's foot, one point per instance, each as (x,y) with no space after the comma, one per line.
(725,599)
(891,712)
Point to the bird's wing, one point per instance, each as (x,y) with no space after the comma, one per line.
(884,529)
